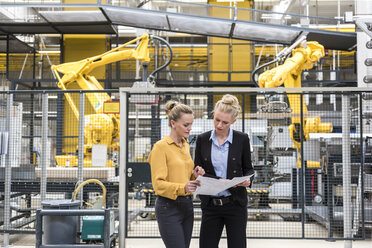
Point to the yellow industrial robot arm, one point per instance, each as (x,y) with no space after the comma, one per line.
(79,71)
(302,58)
(100,128)
(71,71)
(289,74)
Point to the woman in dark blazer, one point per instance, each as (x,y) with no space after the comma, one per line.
(224,153)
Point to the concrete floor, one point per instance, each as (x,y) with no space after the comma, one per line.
(272,225)
(27,241)
(259,229)
(259,243)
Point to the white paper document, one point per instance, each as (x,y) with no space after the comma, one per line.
(213,186)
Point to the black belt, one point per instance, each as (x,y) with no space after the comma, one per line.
(185,197)
(221,201)
(188,197)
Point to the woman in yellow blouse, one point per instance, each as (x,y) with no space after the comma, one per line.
(173,179)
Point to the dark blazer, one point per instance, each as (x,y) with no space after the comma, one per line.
(238,163)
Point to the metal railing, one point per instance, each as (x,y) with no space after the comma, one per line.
(294,194)
(289,198)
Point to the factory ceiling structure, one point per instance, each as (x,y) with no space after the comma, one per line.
(12,44)
(106,18)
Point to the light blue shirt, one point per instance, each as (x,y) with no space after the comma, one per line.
(219,156)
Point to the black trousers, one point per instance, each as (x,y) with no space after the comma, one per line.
(214,218)
(175,220)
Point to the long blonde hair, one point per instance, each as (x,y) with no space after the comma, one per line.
(175,110)
(228,104)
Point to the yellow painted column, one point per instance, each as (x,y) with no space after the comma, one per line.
(75,48)
(230,54)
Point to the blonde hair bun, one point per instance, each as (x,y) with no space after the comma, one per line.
(230,100)
(170,105)
(229,104)
(175,109)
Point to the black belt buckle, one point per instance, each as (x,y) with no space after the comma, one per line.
(217,201)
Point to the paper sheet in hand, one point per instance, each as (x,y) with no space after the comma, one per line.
(212,186)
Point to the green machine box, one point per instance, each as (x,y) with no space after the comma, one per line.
(93,227)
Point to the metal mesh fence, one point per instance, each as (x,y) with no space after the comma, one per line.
(297,154)
(298,188)
(29,65)
(44,134)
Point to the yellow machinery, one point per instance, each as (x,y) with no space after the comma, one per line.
(289,74)
(100,128)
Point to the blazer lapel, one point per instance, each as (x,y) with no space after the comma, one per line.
(208,157)
(230,157)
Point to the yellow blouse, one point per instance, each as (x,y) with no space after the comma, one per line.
(171,167)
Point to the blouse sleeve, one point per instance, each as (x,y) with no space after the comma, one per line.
(159,174)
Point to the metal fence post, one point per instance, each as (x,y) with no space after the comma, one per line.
(346,169)
(106,228)
(155,125)
(210,106)
(302,173)
(44,147)
(358,216)
(361,186)
(8,169)
(39,228)
(243,112)
(122,167)
(81,143)
(59,130)
(32,126)
(3,164)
